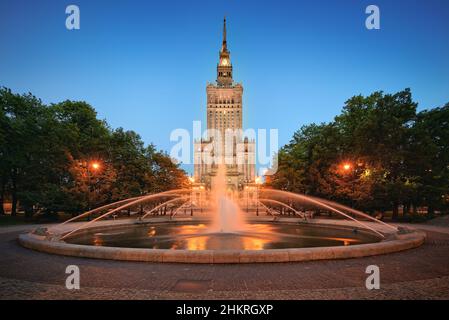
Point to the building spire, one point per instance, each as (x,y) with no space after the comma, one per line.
(224,68)
(224,46)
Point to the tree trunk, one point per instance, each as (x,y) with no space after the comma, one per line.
(29,212)
(2,197)
(13,201)
(430,210)
(406,210)
(395,211)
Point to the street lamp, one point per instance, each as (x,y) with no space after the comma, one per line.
(247,199)
(192,181)
(348,168)
(258,183)
(94,166)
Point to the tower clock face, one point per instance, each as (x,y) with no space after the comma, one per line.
(224,62)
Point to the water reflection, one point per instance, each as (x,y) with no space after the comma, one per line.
(257,236)
(254,243)
(199,237)
(152,232)
(98,240)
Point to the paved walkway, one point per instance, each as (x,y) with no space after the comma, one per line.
(421,289)
(20,228)
(421,273)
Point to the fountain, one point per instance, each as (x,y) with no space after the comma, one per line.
(173,227)
(226,214)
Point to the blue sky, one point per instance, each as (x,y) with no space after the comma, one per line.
(144,64)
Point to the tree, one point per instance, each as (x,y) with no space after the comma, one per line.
(429,167)
(378,129)
(165,173)
(127,154)
(25,118)
(395,156)
(46,153)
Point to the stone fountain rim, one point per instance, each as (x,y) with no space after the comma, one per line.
(50,243)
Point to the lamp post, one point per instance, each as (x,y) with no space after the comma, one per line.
(202,191)
(349,168)
(258,183)
(192,181)
(95,166)
(247,199)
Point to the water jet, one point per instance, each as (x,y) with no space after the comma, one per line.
(220,230)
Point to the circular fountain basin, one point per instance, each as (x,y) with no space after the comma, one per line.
(190,241)
(193,235)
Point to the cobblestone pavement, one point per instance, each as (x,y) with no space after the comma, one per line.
(421,273)
(421,289)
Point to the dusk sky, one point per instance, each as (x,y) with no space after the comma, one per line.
(144,65)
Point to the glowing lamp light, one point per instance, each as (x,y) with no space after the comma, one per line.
(95,165)
(346,166)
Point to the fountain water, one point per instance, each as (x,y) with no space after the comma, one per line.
(227,225)
(226,214)
(226,234)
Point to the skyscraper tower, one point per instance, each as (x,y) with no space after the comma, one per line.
(225,114)
(224,68)
(224,99)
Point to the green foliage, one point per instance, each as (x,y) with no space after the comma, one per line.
(396,156)
(46,153)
